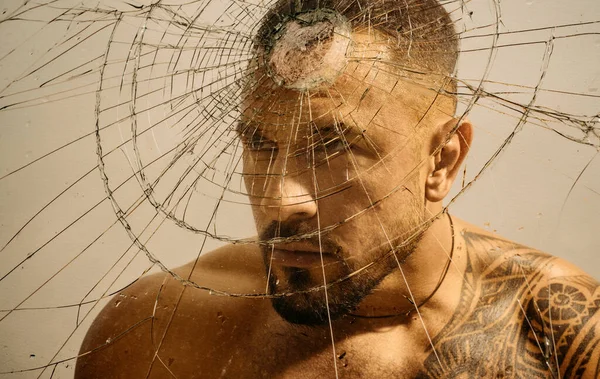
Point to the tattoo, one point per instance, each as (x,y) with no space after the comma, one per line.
(565,307)
(512,320)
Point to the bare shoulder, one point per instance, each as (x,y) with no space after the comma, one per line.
(172,322)
(558,303)
(489,251)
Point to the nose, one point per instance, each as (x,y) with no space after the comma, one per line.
(289,198)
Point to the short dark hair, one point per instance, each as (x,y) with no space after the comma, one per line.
(422,35)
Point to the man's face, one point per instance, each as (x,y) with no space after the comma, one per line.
(335,176)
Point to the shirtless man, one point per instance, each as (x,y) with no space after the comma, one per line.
(350,147)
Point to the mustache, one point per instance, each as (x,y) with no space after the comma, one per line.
(280,232)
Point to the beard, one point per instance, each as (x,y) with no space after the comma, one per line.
(304,298)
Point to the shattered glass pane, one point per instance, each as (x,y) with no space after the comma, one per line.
(136,137)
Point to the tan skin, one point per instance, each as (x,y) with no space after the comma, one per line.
(159,328)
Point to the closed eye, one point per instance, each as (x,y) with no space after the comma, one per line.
(329,148)
(258,143)
(335,145)
(253,140)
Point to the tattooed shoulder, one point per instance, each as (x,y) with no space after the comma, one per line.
(522,313)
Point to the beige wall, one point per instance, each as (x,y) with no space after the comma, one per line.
(543,190)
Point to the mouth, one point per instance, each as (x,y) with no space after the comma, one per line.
(301,257)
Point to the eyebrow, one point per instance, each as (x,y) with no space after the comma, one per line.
(328,129)
(337,128)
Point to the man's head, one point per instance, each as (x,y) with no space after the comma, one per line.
(347,146)
(419,35)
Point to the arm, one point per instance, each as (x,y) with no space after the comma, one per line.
(568,305)
(556,306)
(119,343)
(158,327)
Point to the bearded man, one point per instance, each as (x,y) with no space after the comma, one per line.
(350,146)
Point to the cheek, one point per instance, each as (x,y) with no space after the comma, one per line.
(248,170)
(372,202)
(332,175)
(398,173)
(349,200)
(254,184)
(255,170)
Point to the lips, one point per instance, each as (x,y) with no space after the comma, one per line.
(289,257)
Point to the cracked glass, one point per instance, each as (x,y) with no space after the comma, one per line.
(251,188)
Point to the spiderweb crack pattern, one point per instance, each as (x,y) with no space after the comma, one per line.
(122,148)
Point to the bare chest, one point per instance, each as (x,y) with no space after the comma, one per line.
(306,354)
(392,353)
(485,339)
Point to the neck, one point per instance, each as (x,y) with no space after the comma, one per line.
(417,279)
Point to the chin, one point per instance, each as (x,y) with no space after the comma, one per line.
(301,296)
(303,300)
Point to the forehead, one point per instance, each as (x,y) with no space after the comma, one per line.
(372,91)
(385,104)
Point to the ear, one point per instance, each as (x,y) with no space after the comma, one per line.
(447,153)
